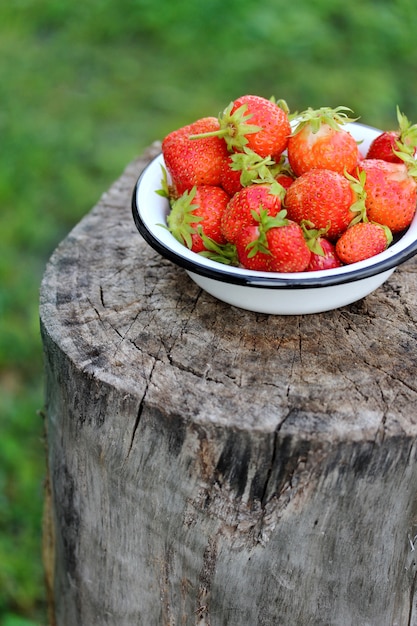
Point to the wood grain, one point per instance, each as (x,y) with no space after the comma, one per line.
(213,466)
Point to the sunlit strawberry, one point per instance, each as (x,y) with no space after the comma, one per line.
(239,211)
(362,241)
(391,193)
(320,141)
(323,251)
(196,213)
(322,197)
(388,143)
(256,123)
(273,244)
(194,162)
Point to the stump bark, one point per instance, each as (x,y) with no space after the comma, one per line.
(212,466)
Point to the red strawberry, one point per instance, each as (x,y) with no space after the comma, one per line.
(273,244)
(194,162)
(391,193)
(326,260)
(238,213)
(322,197)
(319,141)
(404,138)
(285,180)
(323,251)
(230,177)
(268,131)
(197,213)
(362,241)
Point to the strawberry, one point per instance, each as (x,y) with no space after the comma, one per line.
(362,241)
(324,198)
(194,162)
(285,180)
(320,141)
(230,177)
(239,211)
(386,145)
(273,244)
(268,131)
(391,193)
(327,259)
(323,251)
(197,214)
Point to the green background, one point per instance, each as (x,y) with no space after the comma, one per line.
(84,88)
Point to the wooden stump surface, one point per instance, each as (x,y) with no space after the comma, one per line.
(209,465)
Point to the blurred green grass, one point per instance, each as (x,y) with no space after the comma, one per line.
(84,88)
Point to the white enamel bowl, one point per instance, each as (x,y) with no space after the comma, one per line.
(268,292)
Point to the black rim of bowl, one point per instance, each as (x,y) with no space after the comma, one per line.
(273,281)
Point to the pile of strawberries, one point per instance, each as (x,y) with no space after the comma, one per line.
(253,190)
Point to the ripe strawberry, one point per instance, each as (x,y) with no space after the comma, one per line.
(268,131)
(391,193)
(230,177)
(194,162)
(324,198)
(285,180)
(362,241)
(323,251)
(404,138)
(197,214)
(272,244)
(326,260)
(319,141)
(239,211)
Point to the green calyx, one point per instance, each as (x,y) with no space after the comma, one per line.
(222,253)
(406,143)
(312,236)
(358,208)
(407,132)
(265,222)
(387,231)
(181,219)
(233,127)
(335,118)
(253,167)
(165,190)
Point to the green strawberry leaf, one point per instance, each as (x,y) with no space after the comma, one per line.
(312,236)
(222,253)
(181,218)
(253,167)
(335,118)
(164,191)
(265,223)
(358,208)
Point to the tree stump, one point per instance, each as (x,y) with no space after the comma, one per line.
(213,466)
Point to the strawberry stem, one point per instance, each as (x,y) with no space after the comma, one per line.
(233,127)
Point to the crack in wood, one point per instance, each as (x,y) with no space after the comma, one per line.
(140,411)
(413,603)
